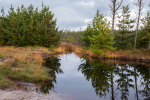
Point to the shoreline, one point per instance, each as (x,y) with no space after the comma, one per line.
(23,90)
(33,56)
(142,55)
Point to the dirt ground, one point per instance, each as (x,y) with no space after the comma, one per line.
(25,91)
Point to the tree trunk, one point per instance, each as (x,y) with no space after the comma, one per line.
(114,13)
(113,20)
(136,33)
(149,45)
(136,94)
(114,9)
(140,5)
(112,87)
(115,6)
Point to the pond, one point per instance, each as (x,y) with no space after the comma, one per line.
(76,78)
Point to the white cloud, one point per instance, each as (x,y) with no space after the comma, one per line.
(87,20)
(74,14)
(87,3)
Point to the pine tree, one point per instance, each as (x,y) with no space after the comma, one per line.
(145,32)
(85,36)
(140,5)
(101,39)
(2,26)
(124,36)
(27,26)
(114,8)
(97,36)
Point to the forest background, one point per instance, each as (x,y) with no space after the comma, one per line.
(33,27)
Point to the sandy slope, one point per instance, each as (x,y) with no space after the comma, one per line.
(25,91)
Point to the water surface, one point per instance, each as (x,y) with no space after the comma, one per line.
(76,78)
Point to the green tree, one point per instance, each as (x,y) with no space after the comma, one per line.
(3,36)
(124,37)
(101,39)
(99,74)
(27,26)
(140,4)
(71,37)
(145,33)
(142,39)
(98,35)
(85,36)
(124,81)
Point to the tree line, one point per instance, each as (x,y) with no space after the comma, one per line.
(28,27)
(100,36)
(31,27)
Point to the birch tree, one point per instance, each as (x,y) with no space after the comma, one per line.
(140,5)
(114,7)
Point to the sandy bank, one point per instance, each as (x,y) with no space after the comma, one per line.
(25,91)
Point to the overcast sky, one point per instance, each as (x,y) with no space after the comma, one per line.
(74,14)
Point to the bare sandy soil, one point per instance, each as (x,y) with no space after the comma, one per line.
(25,91)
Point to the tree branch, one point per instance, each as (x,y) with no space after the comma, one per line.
(119,5)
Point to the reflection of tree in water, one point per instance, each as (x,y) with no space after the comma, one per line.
(124,81)
(136,86)
(99,74)
(54,65)
(145,73)
(102,77)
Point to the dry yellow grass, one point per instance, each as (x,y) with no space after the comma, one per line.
(68,48)
(128,54)
(24,53)
(143,54)
(63,48)
(25,63)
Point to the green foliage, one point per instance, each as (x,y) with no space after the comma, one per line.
(85,36)
(144,36)
(142,40)
(124,80)
(71,37)
(27,26)
(125,37)
(98,35)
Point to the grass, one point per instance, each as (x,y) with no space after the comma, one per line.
(68,48)
(143,54)
(23,64)
(3,80)
(63,48)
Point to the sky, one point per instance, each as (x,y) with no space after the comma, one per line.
(75,15)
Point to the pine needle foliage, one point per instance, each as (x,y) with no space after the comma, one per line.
(85,36)
(98,35)
(144,37)
(124,37)
(28,27)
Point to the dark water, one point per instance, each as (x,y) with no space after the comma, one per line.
(76,78)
